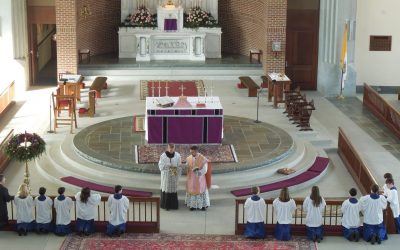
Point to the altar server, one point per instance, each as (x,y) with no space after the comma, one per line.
(43,206)
(393,200)
(351,217)
(385,189)
(171,169)
(24,210)
(372,206)
(284,207)
(86,211)
(314,206)
(118,205)
(255,210)
(63,205)
(198,180)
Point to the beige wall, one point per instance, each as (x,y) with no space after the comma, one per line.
(41,2)
(377,18)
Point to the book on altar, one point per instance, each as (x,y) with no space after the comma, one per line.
(165,101)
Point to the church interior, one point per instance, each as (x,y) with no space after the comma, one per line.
(275,94)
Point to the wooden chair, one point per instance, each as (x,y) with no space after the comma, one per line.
(305,116)
(256,52)
(91,110)
(64,103)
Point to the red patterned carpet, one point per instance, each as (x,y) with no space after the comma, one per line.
(215,153)
(172,242)
(191,88)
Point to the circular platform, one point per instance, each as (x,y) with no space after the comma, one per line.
(115,144)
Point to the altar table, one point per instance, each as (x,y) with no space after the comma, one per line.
(184,125)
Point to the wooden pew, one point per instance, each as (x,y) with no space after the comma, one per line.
(387,114)
(4,160)
(91,110)
(98,85)
(361,173)
(250,84)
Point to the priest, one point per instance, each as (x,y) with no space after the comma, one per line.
(171,169)
(198,180)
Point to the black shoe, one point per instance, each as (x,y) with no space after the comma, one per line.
(25,232)
(20,232)
(373,239)
(352,237)
(378,239)
(357,237)
(314,238)
(192,209)
(203,209)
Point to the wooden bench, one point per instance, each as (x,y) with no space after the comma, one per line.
(250,84)
(98,85)
(4,159)
(91,109)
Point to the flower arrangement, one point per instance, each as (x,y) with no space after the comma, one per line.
(141,18)
(25,147)
(199,18)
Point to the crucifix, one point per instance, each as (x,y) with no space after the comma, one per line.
(211,91)
(159,88)
(166,88)
(198,94)
(182,89)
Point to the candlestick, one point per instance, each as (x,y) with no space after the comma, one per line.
(159,88)
(166,88)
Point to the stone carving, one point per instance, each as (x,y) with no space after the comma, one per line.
(170,46)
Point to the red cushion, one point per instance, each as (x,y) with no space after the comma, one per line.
(83,110)
(63,102)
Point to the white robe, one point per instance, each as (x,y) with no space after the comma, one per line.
(169,181)
(43,210)
(393,199)
(385,190)
(284,210)
(88,210)
(63,211)
(255,210)
(314,214)
(118,210)
(351,214)
(24,209)
(373,209)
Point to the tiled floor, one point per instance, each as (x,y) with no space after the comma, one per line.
(112,143)
(354,109)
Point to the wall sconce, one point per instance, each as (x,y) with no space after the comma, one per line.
(85,12)
(276,47)
(54,37)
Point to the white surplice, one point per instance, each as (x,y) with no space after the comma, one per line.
(255,210)
(284,210)
(24,209)
(63,211)
(118,209)
(314,214)
(351,214)
(88,210)
(43,210)
(393,199)
(373,209)
(169,178)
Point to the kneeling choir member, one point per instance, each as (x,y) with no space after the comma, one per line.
(24,206)
(43,206)
(118,205)
(284,207)
(86,211)
(314,206)
(63,205)
(255,210)
(351,217)
(372,206)
(393,199)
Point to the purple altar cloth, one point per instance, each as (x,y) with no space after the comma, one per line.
(170,25)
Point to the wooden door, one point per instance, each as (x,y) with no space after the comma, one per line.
(302,43)
(33,53)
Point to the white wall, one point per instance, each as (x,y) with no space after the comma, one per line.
(377,18)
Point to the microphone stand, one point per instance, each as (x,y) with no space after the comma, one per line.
(258,103)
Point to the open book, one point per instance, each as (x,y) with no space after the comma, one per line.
(165,101)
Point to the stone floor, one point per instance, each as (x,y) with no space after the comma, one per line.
(355,110)
(112,143)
